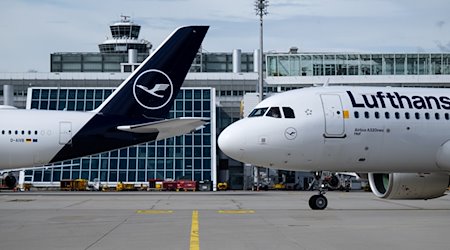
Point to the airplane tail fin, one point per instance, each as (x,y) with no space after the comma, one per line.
(150,90)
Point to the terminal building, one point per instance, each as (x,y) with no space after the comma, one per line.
(214,88)
(407,69)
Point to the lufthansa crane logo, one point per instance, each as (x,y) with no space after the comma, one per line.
(153,89)
(290,133)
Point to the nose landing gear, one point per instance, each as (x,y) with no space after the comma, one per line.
(318,201)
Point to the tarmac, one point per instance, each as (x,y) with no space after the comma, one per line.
(219,220)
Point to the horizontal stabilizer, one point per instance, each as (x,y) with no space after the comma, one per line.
(167,128)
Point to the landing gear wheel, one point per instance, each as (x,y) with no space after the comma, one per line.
(318,202)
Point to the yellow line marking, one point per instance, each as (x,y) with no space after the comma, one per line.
(195,234)
(240,211)
(154,212)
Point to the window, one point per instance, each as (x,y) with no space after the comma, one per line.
(427,116)
(356,114)
(437,116)
(387,115)
(447,116)
(258,112)
(366,114)
(288,112)
(377,114)
(407,116)
(417,115)
(274,112)
(397,115)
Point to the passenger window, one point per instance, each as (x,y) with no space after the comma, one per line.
(377,115)
(427,116)
(257,112)
(397,115)
(366,114)
(417,116)
(288,112)
(274,112)
(387,115)
(356,114)
(407,116)
(3,132)
(447,116)
(437,116)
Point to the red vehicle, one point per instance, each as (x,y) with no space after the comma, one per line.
(170,185)
(187,185)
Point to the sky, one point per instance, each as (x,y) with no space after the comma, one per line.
(33,29)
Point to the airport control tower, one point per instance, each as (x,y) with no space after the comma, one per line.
(125,35)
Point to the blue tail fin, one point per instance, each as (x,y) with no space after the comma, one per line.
(150,90)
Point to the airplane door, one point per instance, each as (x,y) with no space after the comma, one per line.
(334,116)
(65,133)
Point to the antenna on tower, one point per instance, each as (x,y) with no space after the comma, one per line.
(125,19)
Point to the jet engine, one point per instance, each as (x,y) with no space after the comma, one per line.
(332,181)
(8,181)
(408,185)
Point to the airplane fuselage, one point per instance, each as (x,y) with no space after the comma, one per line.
(39,139)
(357,129)
(53,136)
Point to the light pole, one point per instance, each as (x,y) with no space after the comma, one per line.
(261,10)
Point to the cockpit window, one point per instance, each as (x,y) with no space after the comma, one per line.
(274,112)
(257,112)
(288,112)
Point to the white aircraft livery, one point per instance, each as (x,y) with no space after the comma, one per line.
(134,113)
(400,137)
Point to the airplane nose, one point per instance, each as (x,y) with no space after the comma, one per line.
(231,142)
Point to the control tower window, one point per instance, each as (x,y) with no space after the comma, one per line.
(274,112)
(128,31)
(135,31)
(288,112)
(258,112)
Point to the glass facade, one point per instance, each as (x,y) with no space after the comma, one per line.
(90,62)
(110,62)
(190,156)
(312,64)
(222,62)
(123,47)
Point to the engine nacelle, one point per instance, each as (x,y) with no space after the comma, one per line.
(8,181)
(409,185)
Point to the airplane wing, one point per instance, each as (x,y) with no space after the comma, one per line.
(167,128)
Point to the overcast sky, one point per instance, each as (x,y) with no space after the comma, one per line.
(32,29)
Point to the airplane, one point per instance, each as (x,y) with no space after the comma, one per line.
(134,113)
(398,137)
